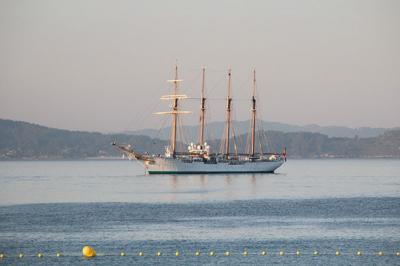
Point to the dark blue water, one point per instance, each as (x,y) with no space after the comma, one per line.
(200,213)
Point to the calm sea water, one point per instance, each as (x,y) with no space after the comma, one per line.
(308,205)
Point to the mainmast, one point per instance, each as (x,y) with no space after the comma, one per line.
(228,115)
(253,117)
(202,109)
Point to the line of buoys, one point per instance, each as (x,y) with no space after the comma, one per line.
(89,252)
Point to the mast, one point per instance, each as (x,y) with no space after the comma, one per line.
(174,113)
(175,97)
(202,109)
(228,115)
(253,117)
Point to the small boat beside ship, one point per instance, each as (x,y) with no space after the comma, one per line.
(199,158)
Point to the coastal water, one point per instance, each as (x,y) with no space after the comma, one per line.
(308,205)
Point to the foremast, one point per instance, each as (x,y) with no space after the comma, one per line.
(174,113)
(175,97)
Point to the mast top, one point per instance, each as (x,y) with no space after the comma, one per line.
(254,83)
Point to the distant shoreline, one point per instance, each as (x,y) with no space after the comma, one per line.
(23,141)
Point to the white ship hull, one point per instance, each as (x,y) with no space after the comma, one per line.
(176,166)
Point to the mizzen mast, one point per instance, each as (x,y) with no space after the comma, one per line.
(228,115)
(253,117)
(202,109)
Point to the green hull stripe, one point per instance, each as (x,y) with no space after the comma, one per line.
(208,172)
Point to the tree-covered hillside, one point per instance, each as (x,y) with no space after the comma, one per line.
(21,140)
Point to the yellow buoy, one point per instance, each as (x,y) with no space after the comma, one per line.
(263,253)
(2,256)
(158,253)
(177,253)
(40,255)
(298,252)
(281,253)
(141,253)
(359,253)
(316,253)
(227,253)
(58,254)
(380,253)
(337,253)
(21,255)
(398,253)
(212,253)
(122,254)
(245,253)
(197,253)
(88,252)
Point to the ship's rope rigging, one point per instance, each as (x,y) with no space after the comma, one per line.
(248,139)
(238,135)
(262,133)
(139,117)
(238,139)
(235,146)
(182,135)
(191,84)
(159,132)
(209,91)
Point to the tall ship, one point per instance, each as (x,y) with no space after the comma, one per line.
(199,157)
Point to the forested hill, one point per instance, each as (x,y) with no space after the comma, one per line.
(21,140)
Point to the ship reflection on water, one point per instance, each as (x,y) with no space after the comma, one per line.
(124,181)
(231,186)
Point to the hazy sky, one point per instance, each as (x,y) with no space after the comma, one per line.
(102,65)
